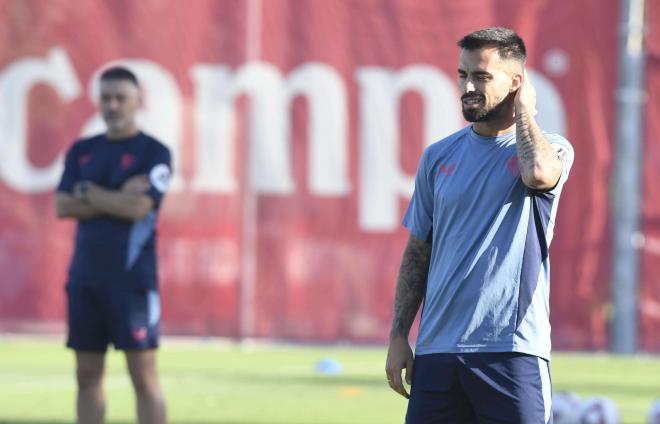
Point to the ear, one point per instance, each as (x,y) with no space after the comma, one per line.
(517,80)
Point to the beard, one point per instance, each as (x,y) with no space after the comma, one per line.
(116,122)
(484,113)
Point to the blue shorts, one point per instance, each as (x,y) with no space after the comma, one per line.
(100,314)
(480,388)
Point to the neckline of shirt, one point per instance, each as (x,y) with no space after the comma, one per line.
(122,140)
(498,139)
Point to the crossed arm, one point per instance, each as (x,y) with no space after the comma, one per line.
(410,289)
(129,202)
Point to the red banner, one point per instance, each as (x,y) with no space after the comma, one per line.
(296,127)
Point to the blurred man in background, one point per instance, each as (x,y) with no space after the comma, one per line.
(481,220)
(113,185)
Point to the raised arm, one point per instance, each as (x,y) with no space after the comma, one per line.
(410,289)
(540,166)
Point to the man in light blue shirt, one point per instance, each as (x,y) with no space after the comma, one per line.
(481,220)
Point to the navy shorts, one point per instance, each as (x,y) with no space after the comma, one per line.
(480,388)
(100,314)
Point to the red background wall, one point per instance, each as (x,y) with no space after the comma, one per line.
(318,273)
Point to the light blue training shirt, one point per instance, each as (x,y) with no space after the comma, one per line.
(489,278)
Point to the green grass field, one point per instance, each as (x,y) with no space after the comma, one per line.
(224,383)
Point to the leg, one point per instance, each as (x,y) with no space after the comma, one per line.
(89,338)
(136,315)
(507,387)
(90,405)
(150,400)
(436,395)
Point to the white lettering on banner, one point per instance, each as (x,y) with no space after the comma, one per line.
(194,261)
(215,124)
(270,97)
(328,120)
(382,181)
(16,81)
(161,115)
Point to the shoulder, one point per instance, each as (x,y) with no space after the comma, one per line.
(564,151)
(154,146)
(561,144)
(152,141)
(445,146)
(558,139)
(86,143)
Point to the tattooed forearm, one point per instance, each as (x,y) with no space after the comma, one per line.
(525,144)
(411,285)
(539,164)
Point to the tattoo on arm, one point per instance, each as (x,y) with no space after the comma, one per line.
(411,285)
(535,153)
(524,143)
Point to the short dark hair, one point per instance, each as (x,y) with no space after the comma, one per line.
(119,73)
(509,45)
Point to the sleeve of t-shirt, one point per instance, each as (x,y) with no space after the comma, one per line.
(159,172)
(419,215)
(70,174)
(566,154)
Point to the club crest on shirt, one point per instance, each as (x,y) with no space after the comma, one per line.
(127,160)
(159,177)
(512,166)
